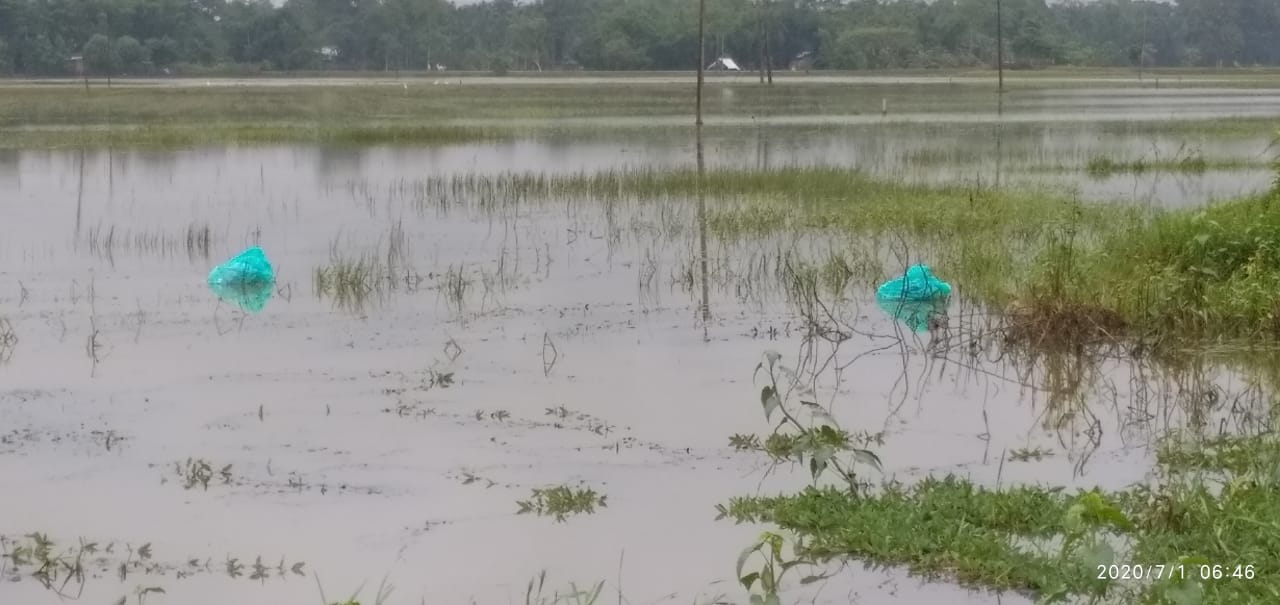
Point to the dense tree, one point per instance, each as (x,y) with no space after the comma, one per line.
(133,56)
(100,55)
(37,37)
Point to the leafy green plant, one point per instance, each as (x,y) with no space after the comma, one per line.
(764,583)
(1087,526)
(819,443)
(561,502)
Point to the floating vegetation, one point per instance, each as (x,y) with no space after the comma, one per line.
(1028,454)
(201,472)
(57,569)
(561,502)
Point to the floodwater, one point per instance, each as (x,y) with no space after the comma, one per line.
(1041,156)
(571,333)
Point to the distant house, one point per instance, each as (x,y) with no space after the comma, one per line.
(75,65)
(802,61)
(724,64)
(329,53)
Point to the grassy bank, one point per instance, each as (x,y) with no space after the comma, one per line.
(178,136)
(1209,520)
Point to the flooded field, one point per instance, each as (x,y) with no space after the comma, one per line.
(469,373)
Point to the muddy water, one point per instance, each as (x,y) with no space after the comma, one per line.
(577,357)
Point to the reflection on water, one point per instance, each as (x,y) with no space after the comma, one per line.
(249,296)
(918,316)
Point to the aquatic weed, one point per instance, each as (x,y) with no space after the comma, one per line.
(561,502)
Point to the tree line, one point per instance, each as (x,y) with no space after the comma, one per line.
(57,37)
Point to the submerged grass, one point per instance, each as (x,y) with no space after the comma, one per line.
(1063,269)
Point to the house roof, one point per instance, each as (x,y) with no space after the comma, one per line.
(726,63)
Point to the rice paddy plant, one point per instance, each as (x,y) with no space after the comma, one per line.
(349,282)
(535,593)
(106,242)
(381,597)
(1103,166)
(354,281)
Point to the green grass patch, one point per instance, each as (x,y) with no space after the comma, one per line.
(1210,520)
(1109,270)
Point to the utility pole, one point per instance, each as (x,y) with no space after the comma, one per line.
(1142,49)
(1000,45)
(760,41)
(768,56)
(702,59)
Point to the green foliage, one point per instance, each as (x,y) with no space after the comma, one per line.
(57,569)
(639,34)
(100,55)
(1207,522)
(806,433)
(133,56)
(6,61)
(561,502)
(769,550)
